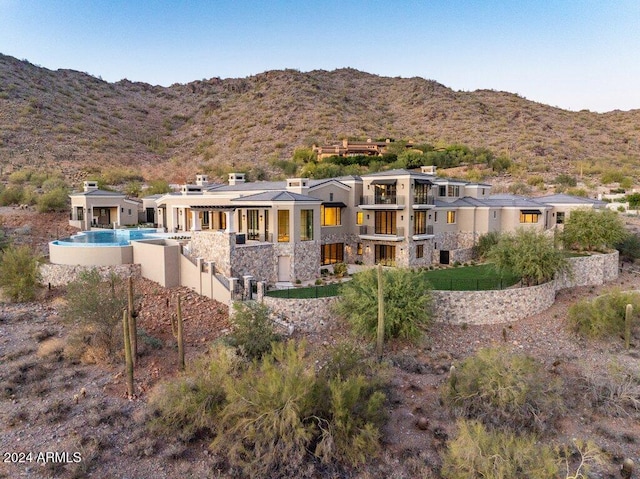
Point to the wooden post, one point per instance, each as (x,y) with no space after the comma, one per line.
(627,326)
(380,340)
(133,326)
(127,354)
(177,330)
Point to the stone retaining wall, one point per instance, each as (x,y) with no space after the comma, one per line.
(63,274)
(471,307)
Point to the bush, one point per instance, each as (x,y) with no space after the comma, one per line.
(485,243)
(188,406)
(476,452)
(616,392)
(593,230)
(253,331)
(629,247)
(54,200)
(340,269)
(95,307)
(19,273)
(604,316)
(12,195)
(407,303)
(503,390)
(566,180)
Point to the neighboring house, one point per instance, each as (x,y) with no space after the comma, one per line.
(283,231)
(354,148)
(99,208)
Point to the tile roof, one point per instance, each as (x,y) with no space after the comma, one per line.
(276,196)
(99,193)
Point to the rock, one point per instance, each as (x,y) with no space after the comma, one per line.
(422,423)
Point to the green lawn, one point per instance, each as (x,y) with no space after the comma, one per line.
(305,293)
(470,278)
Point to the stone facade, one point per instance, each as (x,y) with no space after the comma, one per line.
(590,270)
(307,315)
(63,274)
(256,260)
(214,246)
(306,260)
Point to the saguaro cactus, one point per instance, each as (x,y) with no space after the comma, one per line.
(127,353)
(176,329)
(133,326)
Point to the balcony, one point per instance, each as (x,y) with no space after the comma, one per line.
(379,202)
(423,202)
(423,233)
(370,233)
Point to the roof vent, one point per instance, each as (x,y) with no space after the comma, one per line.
(90,185)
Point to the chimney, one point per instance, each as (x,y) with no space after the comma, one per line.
(236,178)
(298,185)
(90,185)
(428,169)
(202,180)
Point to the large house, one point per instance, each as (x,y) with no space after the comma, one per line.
(283,231)
(354,148)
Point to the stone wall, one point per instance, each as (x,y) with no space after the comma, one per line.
(257,260)
(306,260)
(63,274)
(590,270)
(307,315)
(215,246)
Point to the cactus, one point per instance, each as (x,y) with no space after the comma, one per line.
(133,327)
(627,326)
(176,329)
(127,353)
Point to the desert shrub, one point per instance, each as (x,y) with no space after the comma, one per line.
(629,247)
(11,195)
(340,269)
(253,330)
(189,405)
(157,187)
(615,391)
(407,303)
(54,200)
(54,183)
(593,230)
(95,308)
(504,390)
(485,243)
(19,273)
(529,254)
(477,452)
(611,176)
(603,316)
(519,188)
(536,180)
(20,177)
(262,427)
(566,180)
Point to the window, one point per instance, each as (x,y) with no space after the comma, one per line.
(435,216)
(442,190)
(80,213)
(306,225)
(385,255)
(253,227)
(359,248)
(420,251)
(453,190)
(283,226)
(560,218)
(330,196)
(420,224)
(451,217)
(266,225)
(240,215)
(529,217)
(330,216)
(222,220)
(421,195)
(205,218)
(332,253)
(385,223)
(129,212)
(359,217)
(385,194)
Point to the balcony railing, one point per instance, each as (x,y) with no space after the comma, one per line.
(371,230)
(382,200)
(428,230)
(424,200)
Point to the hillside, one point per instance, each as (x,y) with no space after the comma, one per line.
(78,123)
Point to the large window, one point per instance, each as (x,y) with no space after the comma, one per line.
(283,226)
(359,217)
(385,223)
(560,218)
(253,227)
(421,194)
(385,255)
(332,253)
(330,216)
(449,190)
(529,216)
(420,224)
(385,194)
(451,217)
(306,225)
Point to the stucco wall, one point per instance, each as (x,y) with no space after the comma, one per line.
(90,255)
(62,274)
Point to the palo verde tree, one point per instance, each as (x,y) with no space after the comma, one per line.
(529,254)
(407,303)
(593,230)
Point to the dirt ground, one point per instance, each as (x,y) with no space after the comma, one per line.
(74,420)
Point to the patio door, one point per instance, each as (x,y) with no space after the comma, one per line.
(104,216)
(253,227)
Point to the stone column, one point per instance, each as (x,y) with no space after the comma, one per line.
(230,226)
(262,287)
(247,286)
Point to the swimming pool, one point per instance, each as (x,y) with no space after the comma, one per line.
(119,237)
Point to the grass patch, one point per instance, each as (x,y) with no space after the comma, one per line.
(311,292)
(470,278)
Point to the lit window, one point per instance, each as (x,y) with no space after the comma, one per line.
(332,253)
(359,249)
(330,216)
(528,217)
(419,251)
(283,226)
(359,217)
(420,224)
(306,225)
(451,217)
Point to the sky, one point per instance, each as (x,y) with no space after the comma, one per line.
(574,54)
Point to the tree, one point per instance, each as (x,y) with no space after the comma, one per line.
(529,254)
(407,302)
(629,247)
(593,230)
(157,187)
(54,200)
(19,274)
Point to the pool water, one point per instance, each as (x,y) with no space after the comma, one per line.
(107,237)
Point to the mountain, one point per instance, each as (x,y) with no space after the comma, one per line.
(80,124)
